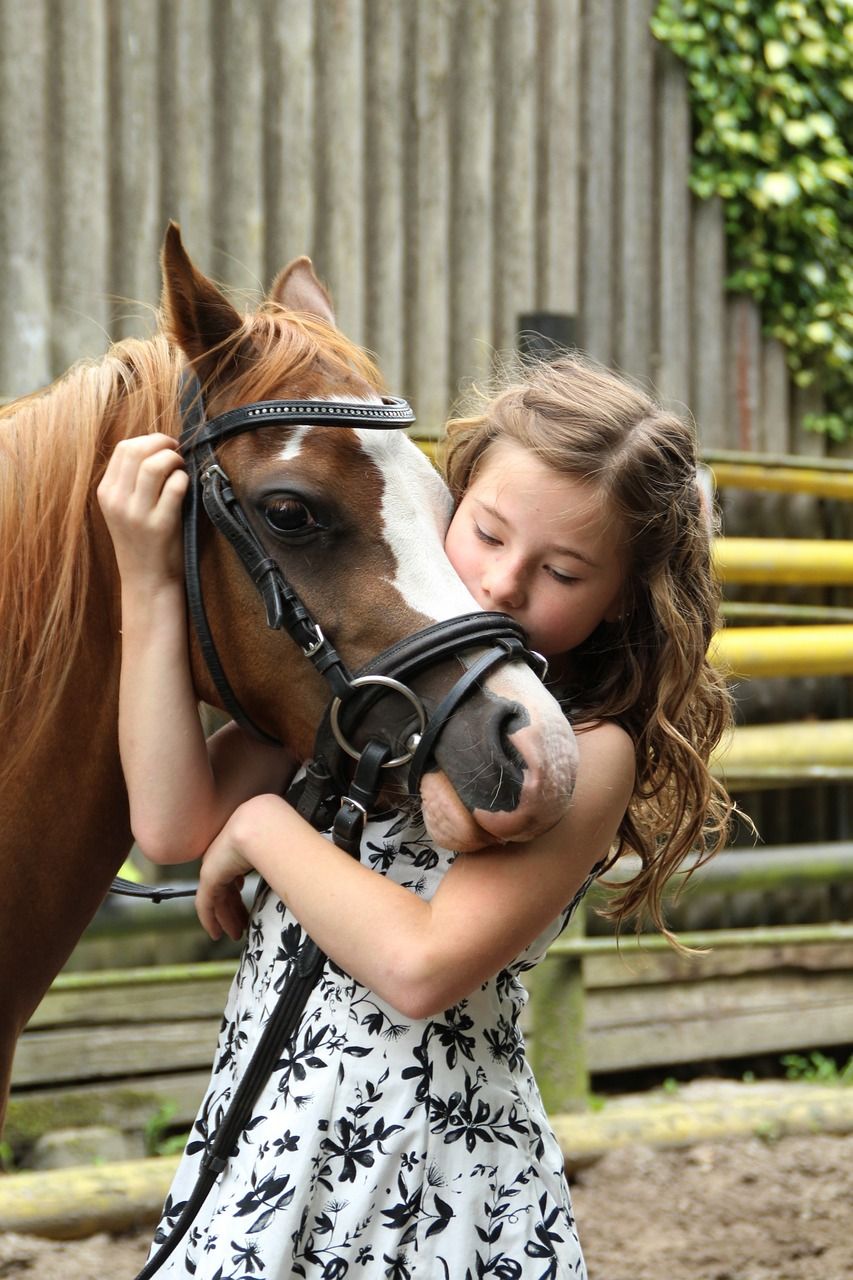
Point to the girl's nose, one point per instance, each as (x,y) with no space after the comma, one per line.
(502,583)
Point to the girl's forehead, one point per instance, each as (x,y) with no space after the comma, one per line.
(507,463)
(516,485)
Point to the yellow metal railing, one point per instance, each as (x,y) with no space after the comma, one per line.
(791,561)
(784,651)
(782,473)
(767,755)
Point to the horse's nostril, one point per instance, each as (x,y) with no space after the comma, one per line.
(509,722)
(493,783)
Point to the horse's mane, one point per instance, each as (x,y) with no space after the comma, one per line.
(54,446)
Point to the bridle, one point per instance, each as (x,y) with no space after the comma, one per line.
(211,491)
(341,783)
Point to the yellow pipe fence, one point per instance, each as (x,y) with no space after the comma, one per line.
(761,755)
(784,561)
(784,651)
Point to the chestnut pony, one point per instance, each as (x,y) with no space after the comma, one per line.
(369,564)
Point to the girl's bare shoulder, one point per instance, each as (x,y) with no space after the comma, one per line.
(605,735)
(607,758)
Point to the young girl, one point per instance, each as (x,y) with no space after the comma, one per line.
(402,1134)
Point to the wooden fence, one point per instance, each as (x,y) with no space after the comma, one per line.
(122,1047)
(449,164)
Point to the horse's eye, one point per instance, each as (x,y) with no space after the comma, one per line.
(289,515)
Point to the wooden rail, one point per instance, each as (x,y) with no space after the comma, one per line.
(601,1006)
(118,1047)
(808,650)
(785,561)
(771,755)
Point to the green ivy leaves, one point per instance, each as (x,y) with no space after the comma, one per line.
(771,87)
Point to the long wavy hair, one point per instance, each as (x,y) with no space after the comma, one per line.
(649,671)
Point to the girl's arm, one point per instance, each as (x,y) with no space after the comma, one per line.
(180,793)
(422,956)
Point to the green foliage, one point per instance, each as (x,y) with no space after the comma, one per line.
(159,1139)
(771,88)
(817,1068)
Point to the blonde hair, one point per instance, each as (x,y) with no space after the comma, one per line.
(649,671)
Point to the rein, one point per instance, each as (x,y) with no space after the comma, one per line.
(332,792)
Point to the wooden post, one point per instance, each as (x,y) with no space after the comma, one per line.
(599,200)
(290,53)
(24,256)
(79,183)
(136,229)
(472,250)
(558,1052)
(634,247)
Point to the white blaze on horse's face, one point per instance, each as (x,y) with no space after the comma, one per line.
(416,510)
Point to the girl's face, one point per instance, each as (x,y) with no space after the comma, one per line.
(539,546)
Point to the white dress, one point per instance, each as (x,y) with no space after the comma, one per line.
(380,1146)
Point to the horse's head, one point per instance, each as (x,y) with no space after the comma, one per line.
(355,520)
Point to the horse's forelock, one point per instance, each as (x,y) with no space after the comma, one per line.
(298,352)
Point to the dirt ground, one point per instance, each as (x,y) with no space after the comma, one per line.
(747,1210)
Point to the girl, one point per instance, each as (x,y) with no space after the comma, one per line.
(402,1134)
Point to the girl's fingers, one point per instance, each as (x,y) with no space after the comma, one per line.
(130,455)
(152,477)
(175,488)
(206,915)
(145,478)
(221,909)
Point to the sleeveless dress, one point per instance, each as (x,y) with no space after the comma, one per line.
(380,1146)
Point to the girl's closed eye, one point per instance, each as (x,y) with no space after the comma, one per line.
(488,538)
(560,575)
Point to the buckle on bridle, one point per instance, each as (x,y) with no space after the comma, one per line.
(310,649)
(213,469)
(387,682)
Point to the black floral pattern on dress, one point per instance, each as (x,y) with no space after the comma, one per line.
(380,1146)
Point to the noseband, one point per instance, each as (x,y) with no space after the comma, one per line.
(210,490)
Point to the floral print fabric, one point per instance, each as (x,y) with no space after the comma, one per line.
(380,1146)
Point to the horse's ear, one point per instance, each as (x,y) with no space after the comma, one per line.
(196,315)
(297,288)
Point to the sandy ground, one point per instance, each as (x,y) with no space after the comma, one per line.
(748,1210)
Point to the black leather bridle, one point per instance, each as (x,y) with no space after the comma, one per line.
(334,791)
(211,491)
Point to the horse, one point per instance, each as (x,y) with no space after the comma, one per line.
(370,567)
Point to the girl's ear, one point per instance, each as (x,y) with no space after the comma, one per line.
(196,314)
(297,288)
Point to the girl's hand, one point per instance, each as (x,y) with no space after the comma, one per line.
(217,901)
(140,496)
